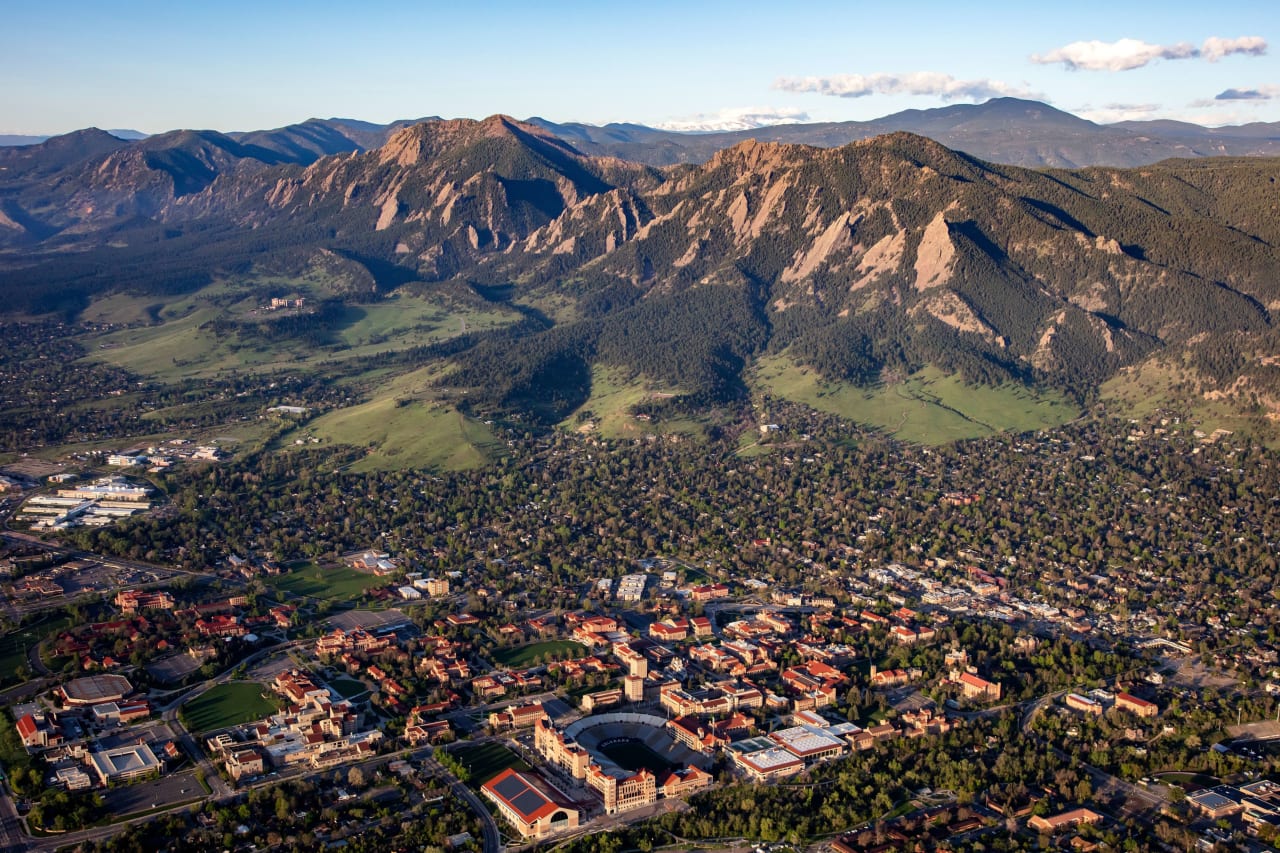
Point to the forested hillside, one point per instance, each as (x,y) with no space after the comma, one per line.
(865,263)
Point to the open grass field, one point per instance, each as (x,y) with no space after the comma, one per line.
(408,435)
(487,760)
(227,705)
(928,408)
(332,583)
(123,309)
(523,656)
(1190,782)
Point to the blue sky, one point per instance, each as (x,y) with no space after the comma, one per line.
(66,64)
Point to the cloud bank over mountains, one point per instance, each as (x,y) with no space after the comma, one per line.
(1128,54)
(933,83)
(734,118)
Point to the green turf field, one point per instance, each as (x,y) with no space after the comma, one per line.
(349,688)
(227,705)
(522,656)
(487,760)
(632,754)
(333,583)
(14,645)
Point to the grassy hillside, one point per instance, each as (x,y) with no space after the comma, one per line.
(404,426)
(928,407)
(608,411)
(1147,388)
(213,331)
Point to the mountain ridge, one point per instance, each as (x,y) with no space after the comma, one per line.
(874,259)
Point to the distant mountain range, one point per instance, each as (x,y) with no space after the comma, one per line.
(1003,130)
(873,258)
(10,139)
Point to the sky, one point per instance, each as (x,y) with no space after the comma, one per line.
(233,65)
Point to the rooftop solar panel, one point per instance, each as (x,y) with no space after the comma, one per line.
(511,787)
(528,802)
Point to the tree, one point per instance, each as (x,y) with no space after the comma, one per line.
(355,777)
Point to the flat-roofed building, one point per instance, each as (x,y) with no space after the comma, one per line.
(808,743)
(74,778)
(1217,802)
(1083,703)
(592,702)
(766,765)
(124,763)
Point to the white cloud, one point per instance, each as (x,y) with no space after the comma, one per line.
(1111,113)
(1213,115)
(1127,54)
(1204,112)
(1256,93)
(914,83)
(734,118)
(1216,48)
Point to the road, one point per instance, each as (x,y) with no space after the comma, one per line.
(18,611)
(492,838)
(1138,802)
(178,790)
(169,713)
(12,836)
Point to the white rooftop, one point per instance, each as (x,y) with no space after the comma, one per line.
(806,740)
(768,759)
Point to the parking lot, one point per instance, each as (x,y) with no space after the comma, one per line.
(166,791)
(176,667)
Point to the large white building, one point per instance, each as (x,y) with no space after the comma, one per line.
(124,763)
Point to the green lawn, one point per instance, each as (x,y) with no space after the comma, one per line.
(14,645)
(522,656)
(333,583)
(487,760)
(1189,781)
(227,705)
(349,688)
(928,408)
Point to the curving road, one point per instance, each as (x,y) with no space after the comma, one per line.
(492,838)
